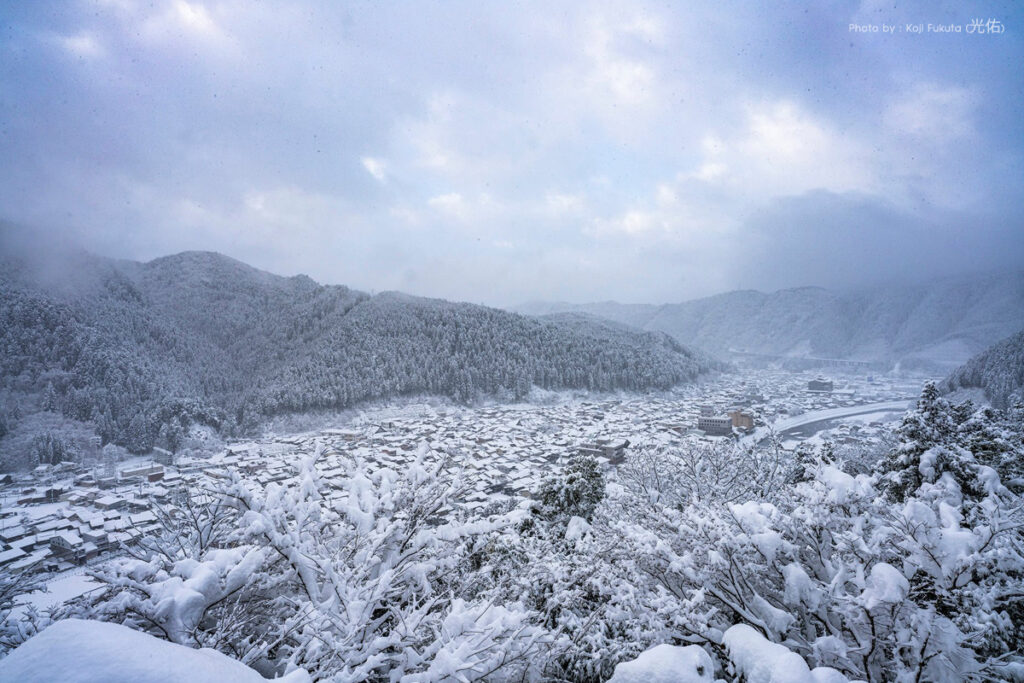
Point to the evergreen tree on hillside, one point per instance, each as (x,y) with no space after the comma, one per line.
(931,444)
(171,435)
(575,492)
(138,438)
(49,397)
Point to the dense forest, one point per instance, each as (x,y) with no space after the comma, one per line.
(144,351)
(998,371)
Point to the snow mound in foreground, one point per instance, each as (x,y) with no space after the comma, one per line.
(667,664)
(79,651)
(763,661)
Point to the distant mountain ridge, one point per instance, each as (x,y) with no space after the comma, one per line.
(145,349)
(938,324)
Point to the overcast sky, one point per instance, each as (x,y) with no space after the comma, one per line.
(499,152)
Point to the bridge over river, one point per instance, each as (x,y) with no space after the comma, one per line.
(789,424)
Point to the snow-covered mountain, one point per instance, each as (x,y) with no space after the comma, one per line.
(937,324)
(135,347)
(998,371)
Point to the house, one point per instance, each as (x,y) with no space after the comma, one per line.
(99,538)
(138,504)
(29,561)
(52,494)
(85,480)
(142,472)
(32,498)
(820,385)
(12,555)
(142,519)
(52,525)
(715,425)
(615,452)
(171,478)
(111,503)
(114,525)
(29,542)
(76,497)
(159,494)
(68,545)
(741,420)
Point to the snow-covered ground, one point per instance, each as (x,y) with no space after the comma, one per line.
(79,651)
(56,592)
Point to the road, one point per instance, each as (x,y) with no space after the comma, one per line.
(790,423)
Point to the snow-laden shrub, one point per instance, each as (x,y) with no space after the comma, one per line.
(666,473)
(843,577)
(576,491)
(353,583)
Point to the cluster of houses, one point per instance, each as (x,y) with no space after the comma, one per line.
(67,514)
(72,534)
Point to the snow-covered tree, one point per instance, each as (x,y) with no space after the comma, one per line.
(930,445)
(172,434)
(671,474)
(574,492)
(833,570)
(351,583)
(16,629)
(138,438)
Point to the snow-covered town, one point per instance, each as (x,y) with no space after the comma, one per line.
(61,516)
(187,541)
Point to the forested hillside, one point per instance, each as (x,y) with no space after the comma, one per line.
(935,324)
(998,371)
(144,350)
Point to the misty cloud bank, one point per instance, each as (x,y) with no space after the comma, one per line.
(500,154)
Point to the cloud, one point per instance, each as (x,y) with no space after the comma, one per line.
(936,113)
(82,45)
(614,75)
(183,18)
(375,167)
(451,203)
(580,150)
(562,204)
(782,149)
(852,240)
